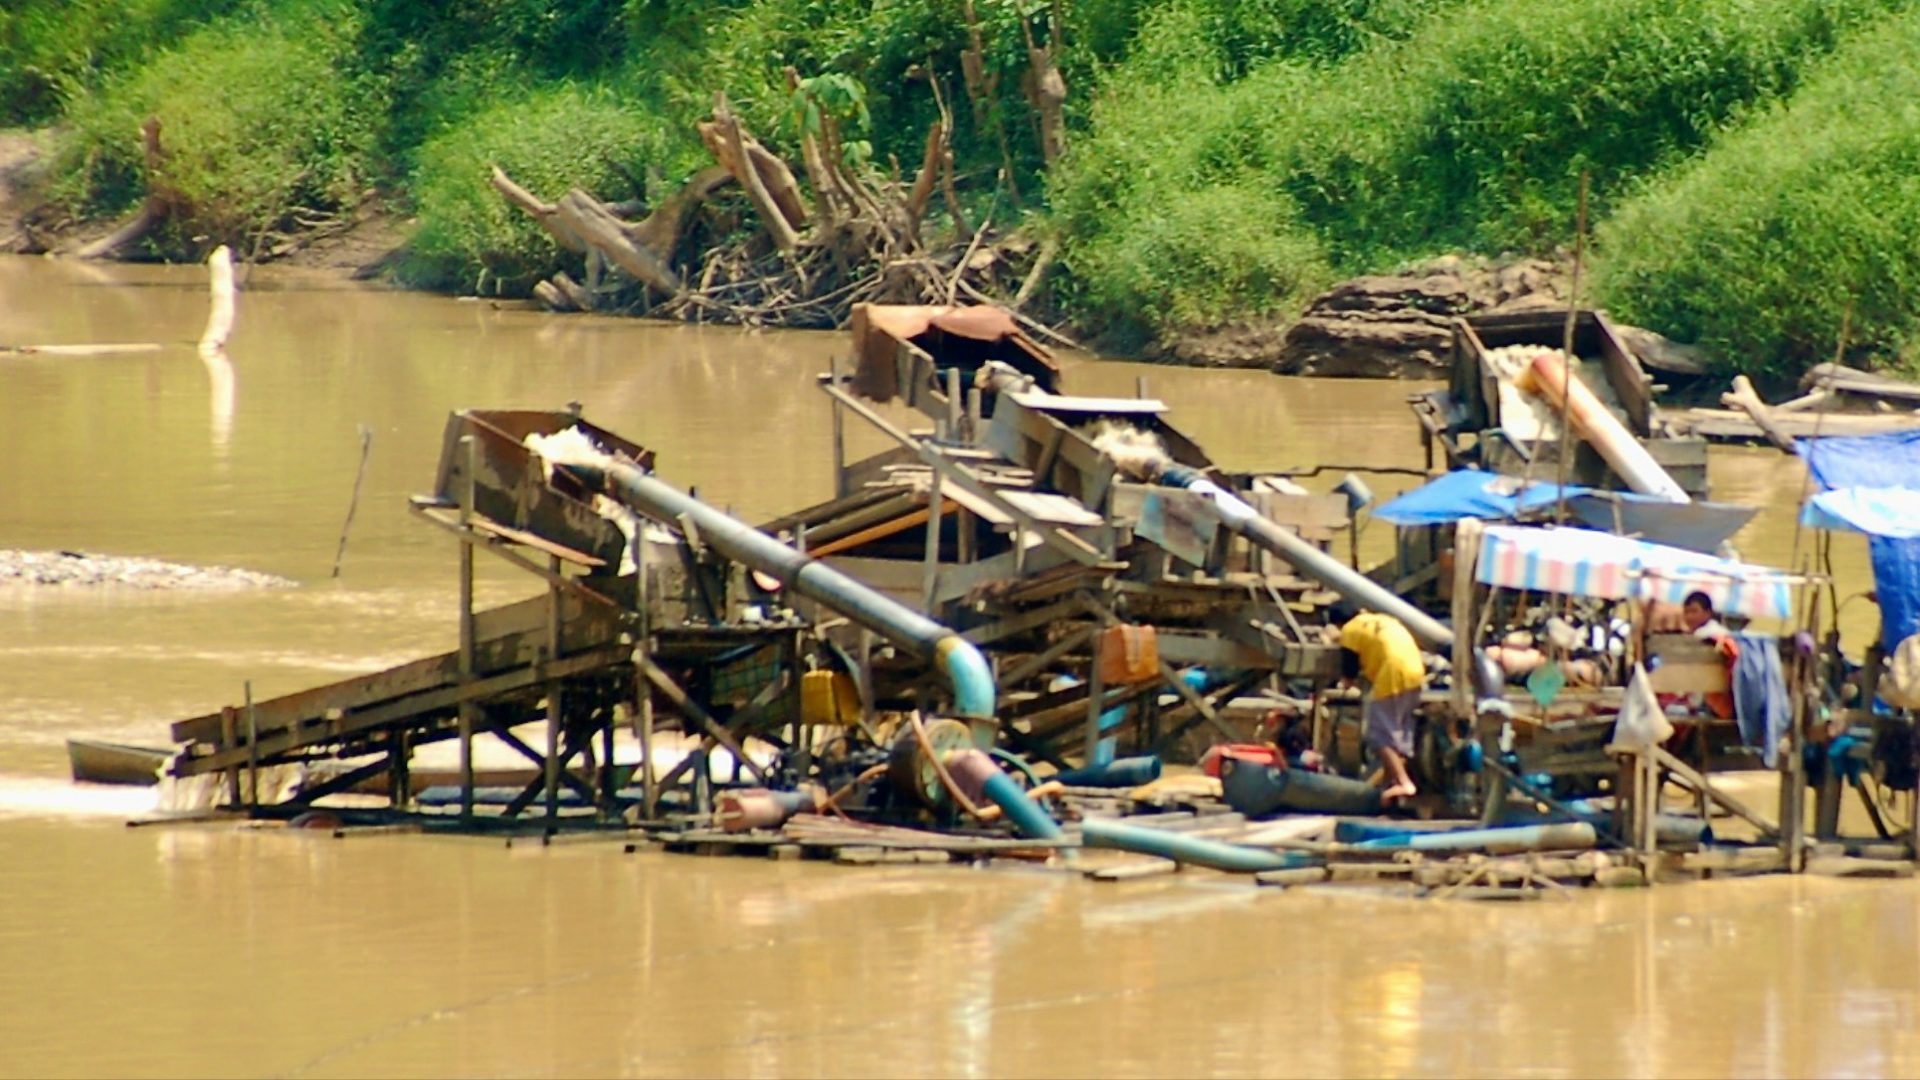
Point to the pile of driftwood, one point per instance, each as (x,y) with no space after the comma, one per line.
(1835,400)
(746,241)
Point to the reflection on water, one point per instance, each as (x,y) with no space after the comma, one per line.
(422,956)
(247,952)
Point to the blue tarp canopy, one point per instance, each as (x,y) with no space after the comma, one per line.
(1469,493)
(1871,484)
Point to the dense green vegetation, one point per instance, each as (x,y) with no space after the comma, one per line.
(1809,211)
(1749,160)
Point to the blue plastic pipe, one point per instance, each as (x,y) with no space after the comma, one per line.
(1237,858)
(1562,836)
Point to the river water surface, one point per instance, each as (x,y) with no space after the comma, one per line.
(198,951)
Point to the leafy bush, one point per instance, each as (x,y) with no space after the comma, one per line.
(1215,256)
(1469,133)
(1758,248)
(548,141)
(51,51)
(256,125)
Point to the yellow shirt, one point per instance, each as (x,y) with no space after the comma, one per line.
(1389,657)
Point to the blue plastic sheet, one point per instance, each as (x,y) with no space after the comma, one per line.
(1469,493)
(1873,464)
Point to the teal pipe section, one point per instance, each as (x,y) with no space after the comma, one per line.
(1123,772)
(1564,836)
(966,670)
(1237,858)
(1026,815)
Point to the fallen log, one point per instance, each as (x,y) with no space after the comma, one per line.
(79,350)
(1744,398)
(662,230)
(732,148)
(546,213)
(607,234)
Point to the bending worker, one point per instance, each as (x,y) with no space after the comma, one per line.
(1389,658)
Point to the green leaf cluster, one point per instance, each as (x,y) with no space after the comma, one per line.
(256,126)
(1465,131)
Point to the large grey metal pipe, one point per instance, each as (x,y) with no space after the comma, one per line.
(1243,519)
(966,670)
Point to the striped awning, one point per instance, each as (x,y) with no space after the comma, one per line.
(1585,562)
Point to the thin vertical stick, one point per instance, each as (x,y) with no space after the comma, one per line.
(353,504)
(220,316)
(839,432)
(253,749)
(467,708)
(1566,364)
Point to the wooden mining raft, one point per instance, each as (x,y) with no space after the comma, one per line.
(812,685)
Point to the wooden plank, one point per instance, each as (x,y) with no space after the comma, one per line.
(406,708)
(506,637)
(1304,875)
(1176,519)
(1731,425)
(1846,866)
(1134,871)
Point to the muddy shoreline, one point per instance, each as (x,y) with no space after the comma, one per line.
(1390,325)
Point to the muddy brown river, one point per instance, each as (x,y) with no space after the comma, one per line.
(220,951)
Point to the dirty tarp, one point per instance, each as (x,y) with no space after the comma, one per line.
(1868,483)
(1472,493)
(959,336)
(1584,562)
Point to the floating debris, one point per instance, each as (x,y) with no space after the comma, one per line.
(79,569)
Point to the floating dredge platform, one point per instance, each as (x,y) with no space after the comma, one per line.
(981,646)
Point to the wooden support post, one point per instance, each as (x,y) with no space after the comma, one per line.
(229,735)
(609,777)
(1466,552)
(642,688)
(839,432)
(930,574)
(802,734)
(956,406)
(868,714)
(975,408)
(555,708)
(1096,693)
(466,708)
(253,749)
(400,769)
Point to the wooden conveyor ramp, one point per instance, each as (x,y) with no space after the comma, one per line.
(559,655)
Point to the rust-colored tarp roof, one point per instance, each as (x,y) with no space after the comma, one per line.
(880,329)
(977,323)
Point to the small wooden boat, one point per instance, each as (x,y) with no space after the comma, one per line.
(96,762)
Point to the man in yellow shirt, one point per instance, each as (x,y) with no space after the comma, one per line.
(1390,660)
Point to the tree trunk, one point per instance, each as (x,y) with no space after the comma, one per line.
(584,215)
(728,144)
